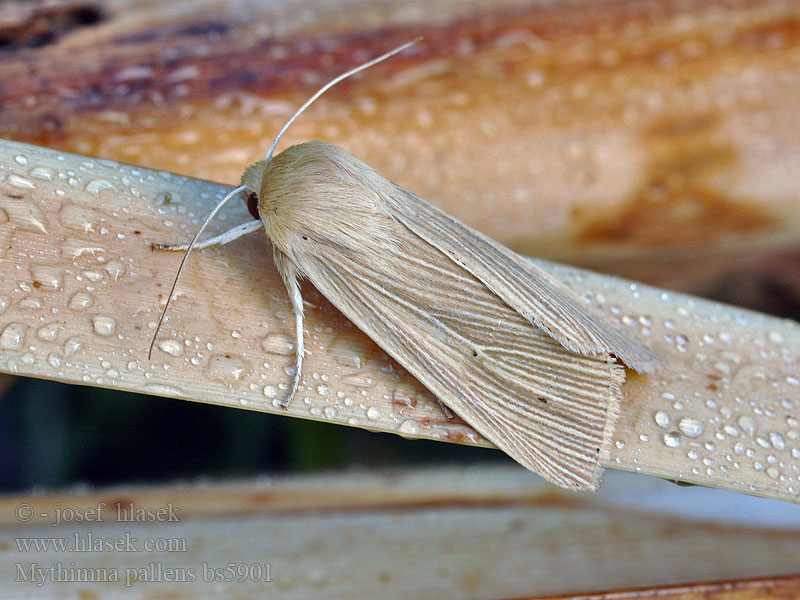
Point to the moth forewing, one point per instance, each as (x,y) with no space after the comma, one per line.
(552,410)
(528,289)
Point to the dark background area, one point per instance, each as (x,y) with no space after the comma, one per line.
(54,435)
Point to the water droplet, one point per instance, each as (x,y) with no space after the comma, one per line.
(278,343)
(329,412)
(409,427)
(404,396)
(690,427)
(114,268)
(672,439)
(228,368)
(26,216)
(13,336)
(777,440)
(662,418)
(730,431)
(162,389)
(323,390)
(373,413)
(43,173)
(171,347)
(30,303)
(93,276)
(54,360)
(48,278)
(776,337)
(359,380)
(348,352)
(20,182)
(747,424)
(270,391)
(21,159)
(104,326)
(723,367)
(81,301)
(95,186)
(4,304)
(78,218)
(48,333)
(73,345)
(73,248)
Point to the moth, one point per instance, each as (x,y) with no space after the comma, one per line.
(498,340)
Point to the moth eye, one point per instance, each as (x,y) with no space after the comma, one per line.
(474,353)
(305,237)
(252,205)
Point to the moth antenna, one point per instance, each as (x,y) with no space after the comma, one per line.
(210,216)
(332,83)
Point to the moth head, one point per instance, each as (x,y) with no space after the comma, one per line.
(253,179)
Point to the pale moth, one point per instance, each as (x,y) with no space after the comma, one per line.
(498,340)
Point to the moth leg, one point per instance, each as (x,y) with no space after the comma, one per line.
(289,275)
(297,304)
(219,240)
